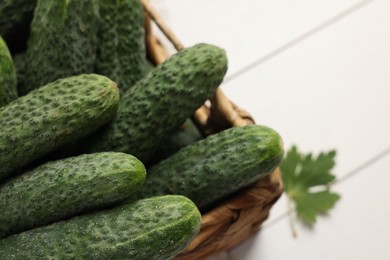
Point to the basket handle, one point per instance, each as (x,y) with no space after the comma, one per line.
(221,112)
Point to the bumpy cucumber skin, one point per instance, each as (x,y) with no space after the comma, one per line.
(121,50)
(8,90)
(61,189)
(152,228)
(187,134)
(216,166)
(52,116)
(62,42)
(15,19)
(156,106)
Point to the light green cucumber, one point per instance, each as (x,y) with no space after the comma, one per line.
(216,166)
(8,90)
(62,41)
(61,189)
(52,116)
(152,228)
(157,105)
(121,52)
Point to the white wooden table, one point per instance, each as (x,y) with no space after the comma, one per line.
(318,72)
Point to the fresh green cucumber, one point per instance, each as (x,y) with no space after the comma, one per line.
(121,49)
(8,90)
(61,189)
(216,166)
(62,42)
(159,103)
(15,20)
(52,116)
(187,134)
(152,228)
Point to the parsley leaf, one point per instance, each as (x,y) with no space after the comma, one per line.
(301,174)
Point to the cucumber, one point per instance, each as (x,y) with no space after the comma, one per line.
(52,116)
(15,20)
(159,103)
(62,42)
(8,90)
(20,65)
(187,134)
(149,65)
(61,189)
(216,166)
(152,228)
(121,50)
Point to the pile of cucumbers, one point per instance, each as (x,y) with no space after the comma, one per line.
(99,158)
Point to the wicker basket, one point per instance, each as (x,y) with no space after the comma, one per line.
(240,216)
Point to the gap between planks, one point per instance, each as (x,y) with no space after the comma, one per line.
(344,178)
(299,39)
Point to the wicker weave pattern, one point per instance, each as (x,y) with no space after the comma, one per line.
(236,219)
(240,216)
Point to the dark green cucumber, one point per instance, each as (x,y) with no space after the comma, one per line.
(187,134)
(20,65)
(52,116)
(62,42)
(152,228)
(159,103)
(8,90)
(15,20)
(216,166)
(61,189)
(121,49)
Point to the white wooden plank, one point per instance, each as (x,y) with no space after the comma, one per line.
(339,96)
(357,228)
(330,91)
(250,29)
